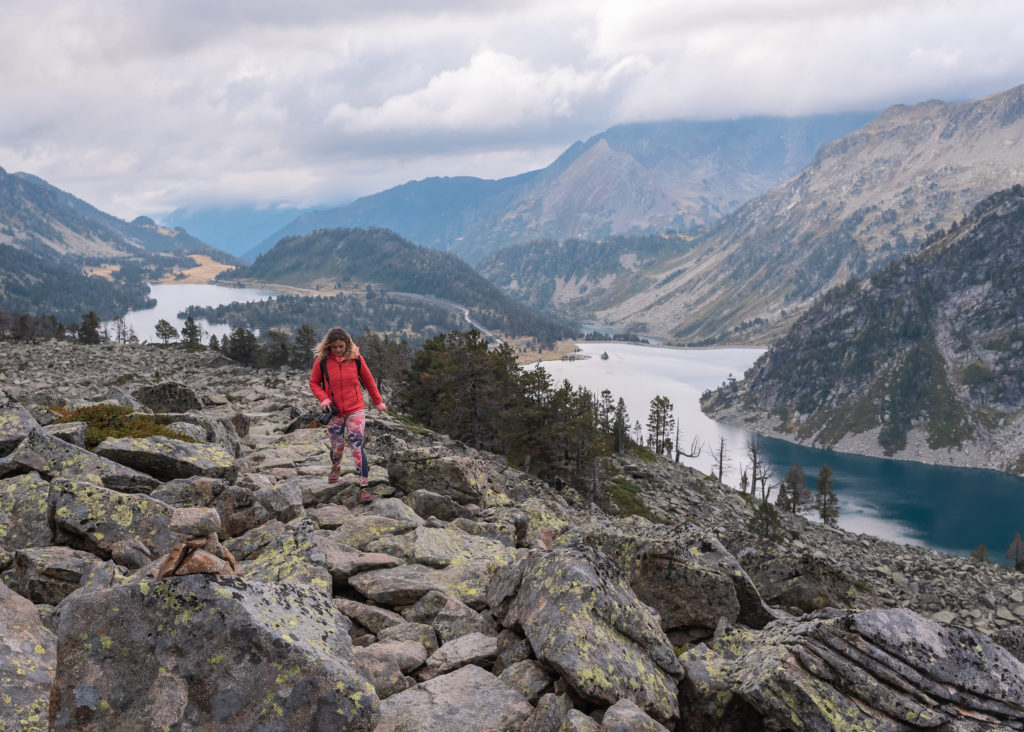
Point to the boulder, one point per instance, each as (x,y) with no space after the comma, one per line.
(467,699)
(216,430)
(207,651)
(582,619)
(407,655)
(625,716)
(371,617)
(419,632)
(799,582)
(382,671)
(503,533)
(329,516)
(250,544)
(342,563)
(528,677)
(166,458)
(550,714)
(360,531)
(117,395)
(73,432)
(54,458)
(474,648)
(193,431)
(443,547)
(195,521)
(283,501)
(23,512)
(462,479)
(27,660)
(577,721)
(168,396)
(49,574)
(291,556)
(426,503)
(536,521)
(406,584)
(15,424)
(456,619)
(391,508)
(683,572)
(89,516)
(848,670)
(512,648)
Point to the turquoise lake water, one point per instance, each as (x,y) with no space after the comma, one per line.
(951,509)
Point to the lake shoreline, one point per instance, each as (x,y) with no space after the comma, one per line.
(865,444)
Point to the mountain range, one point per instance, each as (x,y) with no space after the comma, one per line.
(61,256)
(630,178)
(923,359)
(866,199)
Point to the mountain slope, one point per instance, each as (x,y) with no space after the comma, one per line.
(235,229)
(355,259)
(35,214)
(924,359)
(61,256)
(866,199)
(632,177)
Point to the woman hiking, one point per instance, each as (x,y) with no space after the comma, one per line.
(337,381)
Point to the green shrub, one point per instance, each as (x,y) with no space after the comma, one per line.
(626,495)
(113,420)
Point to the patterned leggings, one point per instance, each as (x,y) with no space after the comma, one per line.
(349,426)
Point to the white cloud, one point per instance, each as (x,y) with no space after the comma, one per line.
(141,107)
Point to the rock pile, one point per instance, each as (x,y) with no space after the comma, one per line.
(466,596)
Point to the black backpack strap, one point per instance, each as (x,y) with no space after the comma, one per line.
(325,384)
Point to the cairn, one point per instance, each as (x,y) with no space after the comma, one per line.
(202,552)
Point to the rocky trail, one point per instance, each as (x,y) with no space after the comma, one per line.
(467,595)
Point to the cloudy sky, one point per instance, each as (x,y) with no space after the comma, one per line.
(142,106)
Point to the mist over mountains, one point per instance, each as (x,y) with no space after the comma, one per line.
(630,178)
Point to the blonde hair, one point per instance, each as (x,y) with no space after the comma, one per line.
(322,349)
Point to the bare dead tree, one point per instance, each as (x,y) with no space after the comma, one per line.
(718,458)
(695,447)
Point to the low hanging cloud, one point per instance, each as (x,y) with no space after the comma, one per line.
(143,107)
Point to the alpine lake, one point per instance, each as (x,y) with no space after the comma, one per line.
(949,509)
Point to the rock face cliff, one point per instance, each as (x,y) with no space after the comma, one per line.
(467,595)
(925,358)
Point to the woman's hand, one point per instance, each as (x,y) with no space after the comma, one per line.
(325,404)
(382,407)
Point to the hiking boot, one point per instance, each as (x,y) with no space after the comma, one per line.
(335,475)
(365,496)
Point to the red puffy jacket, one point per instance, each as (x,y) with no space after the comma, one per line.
(343,378)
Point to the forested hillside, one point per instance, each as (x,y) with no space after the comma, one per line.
(357,260)
(577,276)
(930,351)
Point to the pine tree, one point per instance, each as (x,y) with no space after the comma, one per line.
(827,501)
(190,332)
(660,425)
(89,330)
(981,553)
(1015,552)
(165,331)
(794,495)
